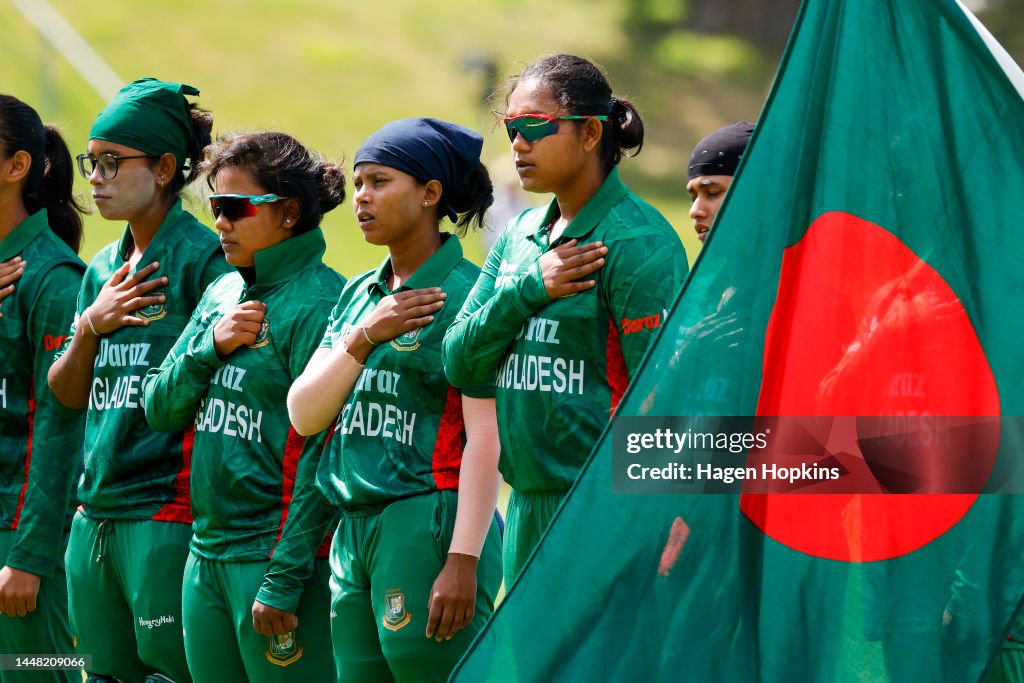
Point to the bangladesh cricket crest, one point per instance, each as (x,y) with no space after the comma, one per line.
(283,649)
(264,336)
(410,341)
(395,616)
(154,312)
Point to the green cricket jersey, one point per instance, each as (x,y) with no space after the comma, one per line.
(40,441)
(562,365)
(132,472)
(253,476)
(400,432)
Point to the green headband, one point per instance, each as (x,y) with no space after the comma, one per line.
(149,115)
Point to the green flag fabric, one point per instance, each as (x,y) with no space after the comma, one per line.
(866,263)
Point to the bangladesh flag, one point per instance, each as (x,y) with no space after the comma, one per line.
(869,261)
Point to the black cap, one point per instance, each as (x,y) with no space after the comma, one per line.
(720,152)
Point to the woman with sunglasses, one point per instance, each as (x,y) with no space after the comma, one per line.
(570,295)
(416,558)
(129,541)
(40,232)
(255,603)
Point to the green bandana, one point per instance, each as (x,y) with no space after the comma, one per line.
(149,115)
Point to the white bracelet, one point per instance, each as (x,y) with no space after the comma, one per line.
(366,336)
(88,319)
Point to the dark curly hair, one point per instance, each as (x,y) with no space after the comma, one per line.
(283,166)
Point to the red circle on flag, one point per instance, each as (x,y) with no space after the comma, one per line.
(863,327)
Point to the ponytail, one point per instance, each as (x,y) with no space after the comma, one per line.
(624,133)
(473,199)
(55,191)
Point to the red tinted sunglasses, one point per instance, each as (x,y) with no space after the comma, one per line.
(238,206)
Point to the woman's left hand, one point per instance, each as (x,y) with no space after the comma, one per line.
(452,597)
(270,621)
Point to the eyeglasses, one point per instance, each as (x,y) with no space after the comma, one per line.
(106,162)
(235,207)
(533,127)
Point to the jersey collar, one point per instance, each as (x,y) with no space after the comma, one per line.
(164,234)
(431,274)
(284,259)
(23,233)
(612,190)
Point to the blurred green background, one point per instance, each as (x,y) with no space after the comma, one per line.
(331,72)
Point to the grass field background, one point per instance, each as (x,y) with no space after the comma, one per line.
(332,72)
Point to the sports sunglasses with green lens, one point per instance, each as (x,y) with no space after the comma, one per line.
(238,206)
(533,127)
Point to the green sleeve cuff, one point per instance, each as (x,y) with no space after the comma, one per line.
(480,391)
(278,597)
(33,564)
(532,290)
(203,351)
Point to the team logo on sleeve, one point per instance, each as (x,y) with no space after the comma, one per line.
(410,341)
(264,336)
(284,649)
(395,616)
(154,312)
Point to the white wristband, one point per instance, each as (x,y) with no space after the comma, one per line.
(366,336)
(88,319)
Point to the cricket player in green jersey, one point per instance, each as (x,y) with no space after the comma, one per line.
(570,295)
(255,604)
(129,541)
(40,233)
(412,461)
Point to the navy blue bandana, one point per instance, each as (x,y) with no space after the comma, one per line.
(720,153)
(428,149)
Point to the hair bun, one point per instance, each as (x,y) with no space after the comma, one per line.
(330,185)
